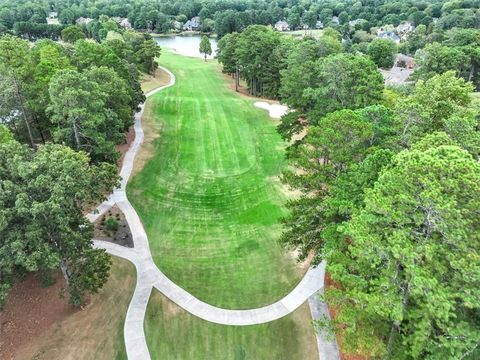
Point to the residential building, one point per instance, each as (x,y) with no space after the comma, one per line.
(193,24)
(390,35)
(83,21)
(282,25)
(125,23)
(405,28)
(404,61)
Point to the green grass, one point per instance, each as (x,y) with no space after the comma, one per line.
(172,333)
(315,33)
(209,195)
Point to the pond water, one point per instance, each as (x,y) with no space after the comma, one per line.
(187,45)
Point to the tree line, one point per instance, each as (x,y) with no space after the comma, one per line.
(390,181)
(235,15)
(64,108)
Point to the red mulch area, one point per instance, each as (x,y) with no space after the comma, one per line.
(30,309)
(329,283)
(123,148)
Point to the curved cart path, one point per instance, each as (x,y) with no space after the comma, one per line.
(149,276)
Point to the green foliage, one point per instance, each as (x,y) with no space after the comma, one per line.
(72,33)
(382,52)
(147,53)
(386,219)
(344,81)
(411,264)
(42,225)
(111,224)
(78,109)
(205,47)
(26,74)
(5,134)
(259,52)
(459,51)
(432,104)
(226,53)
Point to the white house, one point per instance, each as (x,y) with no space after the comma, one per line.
(193,24)
(319,25)
(405,28)
(390,35)
(352,23)
(52,15)
(335,20)
(282,25)
(125,24)
(83,21)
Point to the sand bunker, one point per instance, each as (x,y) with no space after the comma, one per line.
(276,111)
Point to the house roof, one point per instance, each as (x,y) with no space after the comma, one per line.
(281,23)
(389,35)
(192,23)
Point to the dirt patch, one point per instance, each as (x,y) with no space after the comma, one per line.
(30,310)
(105,225)
(289,192)
(149,82)
(93,333)
(151,130)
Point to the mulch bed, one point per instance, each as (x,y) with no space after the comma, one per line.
(122,236)
(30,310)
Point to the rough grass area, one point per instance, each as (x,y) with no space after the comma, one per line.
(149,82)
(172,333)
(93,333)
(208,195)
(315,33)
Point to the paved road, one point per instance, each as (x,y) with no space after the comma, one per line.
(149,276)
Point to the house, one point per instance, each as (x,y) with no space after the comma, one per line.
(125,24)
(319,25)
(405,28)
(383,29)
(193,24)
(352,23)
(404,61)
(335,20)
(83,21)
(52,15)
(389,35)
(282,25)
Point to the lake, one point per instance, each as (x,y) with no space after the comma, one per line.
(185,44)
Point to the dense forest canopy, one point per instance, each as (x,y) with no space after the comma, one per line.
(234,15)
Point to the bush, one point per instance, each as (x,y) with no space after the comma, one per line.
(111,224)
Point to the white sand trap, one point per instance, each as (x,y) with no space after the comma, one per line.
(276,111)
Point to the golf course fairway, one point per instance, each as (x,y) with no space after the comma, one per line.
(209,195)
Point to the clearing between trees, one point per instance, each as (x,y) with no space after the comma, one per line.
(208,198)
(210,204)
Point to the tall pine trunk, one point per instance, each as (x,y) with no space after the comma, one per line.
(18,92)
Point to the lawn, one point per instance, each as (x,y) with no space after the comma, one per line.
(209,195)
(315,33)
(172,333)
(95,332)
